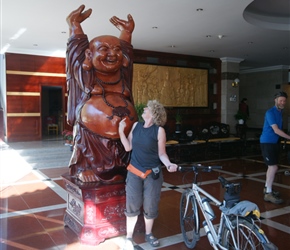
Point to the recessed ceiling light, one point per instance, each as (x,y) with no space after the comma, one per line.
(172,46)
(155,27)
(35,44)
(221,36)
(199,9)
(63,32)
(208,36)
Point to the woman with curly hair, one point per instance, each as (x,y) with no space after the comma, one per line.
(147,141)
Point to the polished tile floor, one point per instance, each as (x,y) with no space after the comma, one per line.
(33,199)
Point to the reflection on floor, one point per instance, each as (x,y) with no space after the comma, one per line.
(33,199)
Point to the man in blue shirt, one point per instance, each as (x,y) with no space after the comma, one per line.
(269,140)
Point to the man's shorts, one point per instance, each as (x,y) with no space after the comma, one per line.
(143,192)
(270,152)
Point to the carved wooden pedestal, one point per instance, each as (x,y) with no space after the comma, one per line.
(95,211)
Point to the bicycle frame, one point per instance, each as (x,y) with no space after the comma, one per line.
(195,193)
(235,230)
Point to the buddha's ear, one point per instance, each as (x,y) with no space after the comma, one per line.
(126,61)
(87,64)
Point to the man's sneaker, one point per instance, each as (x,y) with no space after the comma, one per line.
(272,198)
(275,193)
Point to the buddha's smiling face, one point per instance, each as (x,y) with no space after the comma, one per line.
(106,54)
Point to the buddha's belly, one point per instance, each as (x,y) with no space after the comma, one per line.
(103,118)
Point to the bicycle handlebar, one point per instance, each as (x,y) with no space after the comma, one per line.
(196,168)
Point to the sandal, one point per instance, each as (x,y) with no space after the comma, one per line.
(154,242)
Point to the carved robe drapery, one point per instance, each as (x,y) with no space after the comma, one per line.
(97,146)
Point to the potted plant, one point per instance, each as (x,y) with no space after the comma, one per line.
(68,136)
(240,117)
(178,121)
(178,118)
(139,109)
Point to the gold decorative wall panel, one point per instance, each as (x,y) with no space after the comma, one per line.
(172,86)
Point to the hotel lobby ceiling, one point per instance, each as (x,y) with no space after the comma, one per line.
(256,31)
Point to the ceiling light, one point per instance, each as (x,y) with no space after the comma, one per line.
(172,46)
(199,9)
(155,27)
(208,36)
(18,34)
(250,42)
(221,36)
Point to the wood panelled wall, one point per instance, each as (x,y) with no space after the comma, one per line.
(26,74)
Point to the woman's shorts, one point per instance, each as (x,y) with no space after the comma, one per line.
(143,192)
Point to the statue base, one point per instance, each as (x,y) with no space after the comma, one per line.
(95,211)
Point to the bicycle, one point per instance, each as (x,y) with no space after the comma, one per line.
(236,230)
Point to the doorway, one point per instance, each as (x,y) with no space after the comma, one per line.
(51,111)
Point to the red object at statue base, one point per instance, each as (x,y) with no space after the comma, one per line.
(95,211)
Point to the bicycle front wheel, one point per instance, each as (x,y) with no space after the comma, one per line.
(189,220)
(247,235)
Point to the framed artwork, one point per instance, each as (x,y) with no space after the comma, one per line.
(172,86)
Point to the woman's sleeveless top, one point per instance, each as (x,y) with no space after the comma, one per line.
(145,147)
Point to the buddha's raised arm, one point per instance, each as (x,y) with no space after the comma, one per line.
(75,18)
(126,27)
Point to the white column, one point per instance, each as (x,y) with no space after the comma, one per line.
(229,95)
(3,91)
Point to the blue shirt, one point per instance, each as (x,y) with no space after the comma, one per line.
(272,116)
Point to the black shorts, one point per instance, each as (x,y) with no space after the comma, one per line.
(270,152)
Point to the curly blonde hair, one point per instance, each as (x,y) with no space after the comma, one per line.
(158,112)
